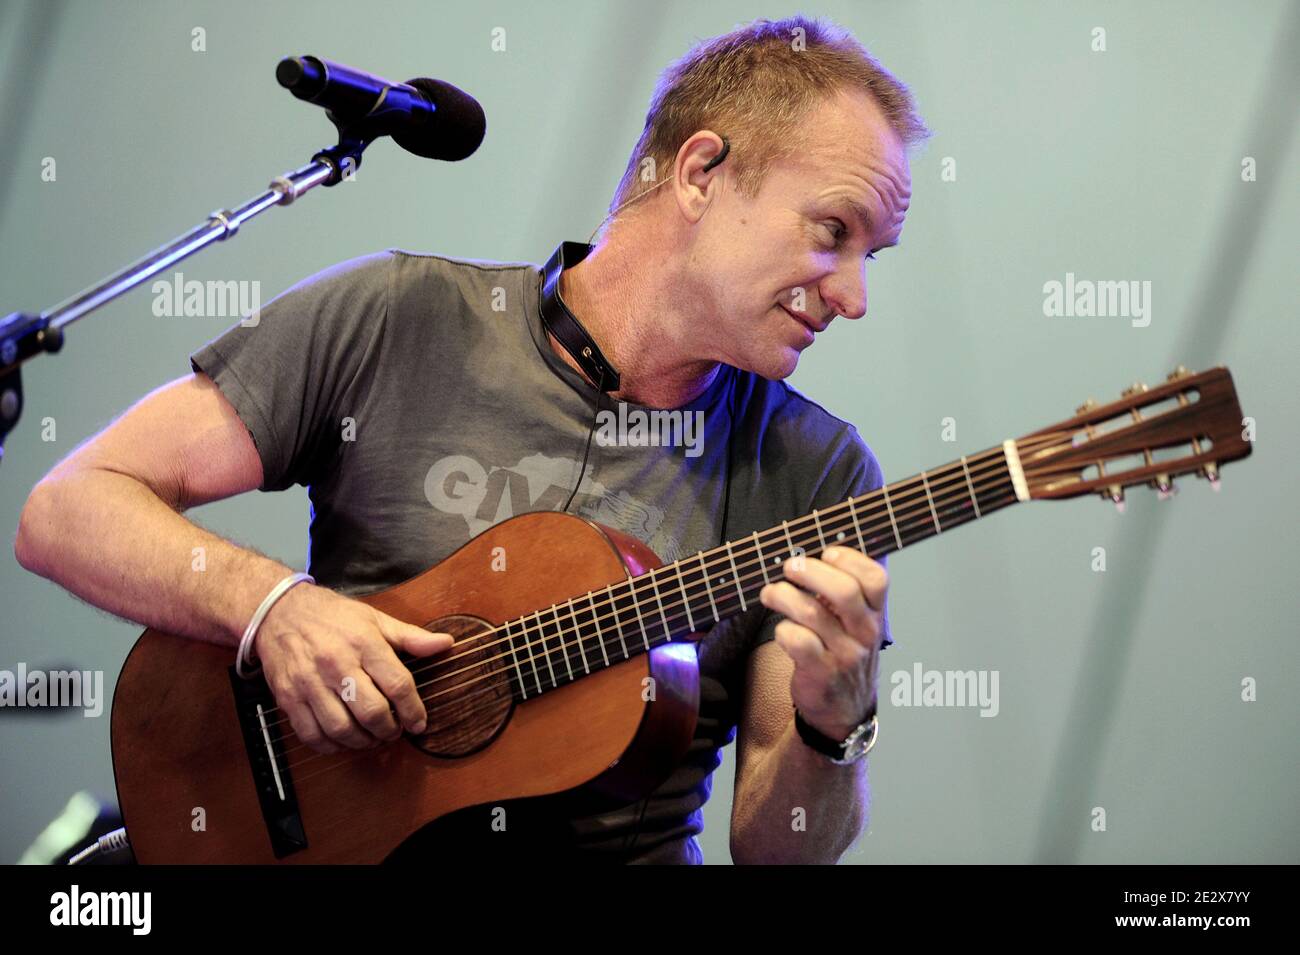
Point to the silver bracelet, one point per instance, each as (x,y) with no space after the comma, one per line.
(243,657)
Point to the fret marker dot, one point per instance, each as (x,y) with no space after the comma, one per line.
(839,536)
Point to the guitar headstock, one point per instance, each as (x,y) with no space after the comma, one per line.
(1192,424)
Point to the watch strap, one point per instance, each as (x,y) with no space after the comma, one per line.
(819,741)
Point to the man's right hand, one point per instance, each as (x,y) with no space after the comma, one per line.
(331,662)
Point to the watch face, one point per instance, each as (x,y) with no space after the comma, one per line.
(860,740)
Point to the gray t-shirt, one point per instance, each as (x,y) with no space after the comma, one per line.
(417,398)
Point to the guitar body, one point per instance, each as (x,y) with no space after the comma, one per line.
(187,785)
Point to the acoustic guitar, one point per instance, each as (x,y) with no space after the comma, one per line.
(574,670)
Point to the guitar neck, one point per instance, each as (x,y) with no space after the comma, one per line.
(553,647)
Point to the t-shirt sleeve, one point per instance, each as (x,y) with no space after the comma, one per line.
(853,471)
(289,368)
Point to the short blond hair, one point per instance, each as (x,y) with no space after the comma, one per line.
(756,86)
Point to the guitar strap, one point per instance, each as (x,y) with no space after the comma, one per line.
(564,325)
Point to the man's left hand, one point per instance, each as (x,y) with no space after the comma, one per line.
(832,632)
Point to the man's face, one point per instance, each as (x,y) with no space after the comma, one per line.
(801,244)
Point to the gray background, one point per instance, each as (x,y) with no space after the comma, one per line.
(1118,689)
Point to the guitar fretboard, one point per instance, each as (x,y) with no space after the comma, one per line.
(550,648)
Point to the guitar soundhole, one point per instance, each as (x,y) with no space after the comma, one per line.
(465,690)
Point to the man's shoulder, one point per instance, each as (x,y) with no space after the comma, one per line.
(460,261)
(795,419)
(481,285)
(375,264)
(343,279)
(792,406)
(455,266)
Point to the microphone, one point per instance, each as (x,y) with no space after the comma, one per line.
(427,117)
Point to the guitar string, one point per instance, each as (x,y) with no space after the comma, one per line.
(688,566)
(345,756)
(692,592)
(673,612)
(600,619)
(499,690)
(479,646)
(640,590)
(906,530)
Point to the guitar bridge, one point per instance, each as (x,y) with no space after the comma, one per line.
(264,745)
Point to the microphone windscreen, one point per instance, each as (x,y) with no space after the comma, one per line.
(458,123)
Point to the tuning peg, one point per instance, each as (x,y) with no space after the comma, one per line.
(1085,407)
(1179,372)
(1134,389)
(1115,494)
(1165,488)
(1210,471)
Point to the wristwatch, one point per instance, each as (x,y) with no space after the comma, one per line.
(844,753)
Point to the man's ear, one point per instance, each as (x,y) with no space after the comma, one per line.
(697,178)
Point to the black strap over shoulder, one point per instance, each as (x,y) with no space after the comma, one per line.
(564,325)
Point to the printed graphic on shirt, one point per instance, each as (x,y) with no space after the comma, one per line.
(484,496)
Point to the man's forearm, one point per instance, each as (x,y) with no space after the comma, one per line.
(767,828)
(109,539)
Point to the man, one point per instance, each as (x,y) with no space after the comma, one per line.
(422,399)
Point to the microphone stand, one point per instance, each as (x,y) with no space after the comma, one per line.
(23,335)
